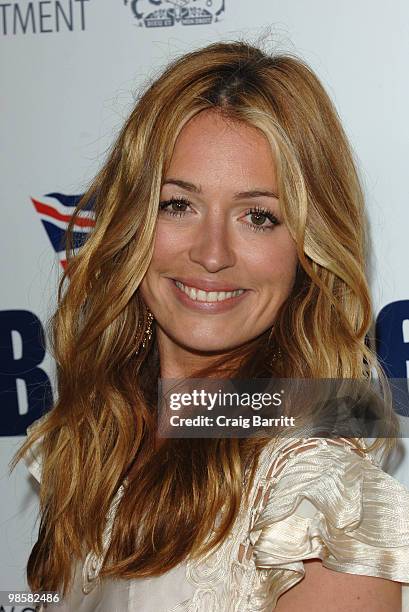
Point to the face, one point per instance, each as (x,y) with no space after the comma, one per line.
(223,259)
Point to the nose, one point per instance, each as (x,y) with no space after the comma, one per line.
(212,246)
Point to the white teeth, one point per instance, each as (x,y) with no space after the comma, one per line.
(191,291)
(201,295)
(198,295)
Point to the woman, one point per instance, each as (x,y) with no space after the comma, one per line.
(230,241)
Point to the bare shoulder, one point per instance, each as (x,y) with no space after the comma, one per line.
(324,589)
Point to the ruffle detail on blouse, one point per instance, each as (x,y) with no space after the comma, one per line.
(332,504)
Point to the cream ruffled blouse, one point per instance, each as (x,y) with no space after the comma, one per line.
(311,498)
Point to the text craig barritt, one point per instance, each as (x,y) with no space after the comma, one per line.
(222,421)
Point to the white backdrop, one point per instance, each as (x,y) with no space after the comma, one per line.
(69,72)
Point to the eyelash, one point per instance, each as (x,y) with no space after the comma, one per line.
(256,210)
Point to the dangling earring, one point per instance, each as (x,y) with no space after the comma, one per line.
(149,330)
(276,356)
(148,333)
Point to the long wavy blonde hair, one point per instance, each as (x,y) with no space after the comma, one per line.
(102,426)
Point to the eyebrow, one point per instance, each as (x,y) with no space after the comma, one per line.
(253,193)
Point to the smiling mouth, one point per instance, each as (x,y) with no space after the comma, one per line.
(199,295)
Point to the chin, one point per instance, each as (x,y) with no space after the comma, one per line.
(207,347)
(211,344)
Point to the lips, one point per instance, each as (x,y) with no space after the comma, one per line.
(200,295)
(206,284)
(198,298)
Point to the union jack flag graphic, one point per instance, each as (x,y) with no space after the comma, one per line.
(55,211)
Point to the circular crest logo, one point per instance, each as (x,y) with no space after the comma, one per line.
(166,13)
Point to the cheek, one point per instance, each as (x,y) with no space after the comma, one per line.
(274,266)
(168,243)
